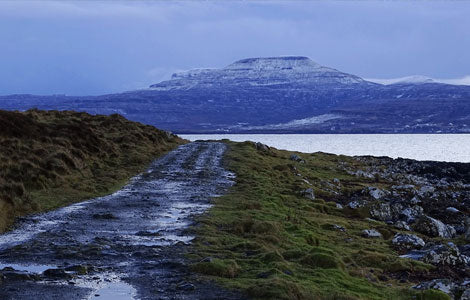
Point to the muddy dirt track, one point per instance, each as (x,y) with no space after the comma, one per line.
(128,245)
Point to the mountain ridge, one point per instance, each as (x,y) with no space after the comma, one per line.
(257,94)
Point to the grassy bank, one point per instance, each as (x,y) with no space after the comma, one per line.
(266,238)
(50,159)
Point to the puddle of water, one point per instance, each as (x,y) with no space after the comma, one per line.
(27,268)
(115,291)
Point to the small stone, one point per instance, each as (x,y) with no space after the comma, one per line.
(371,233)
(56,273)
(207,259)
(186,286)
(338,227)
(78,269)
(415,200)
(452,210)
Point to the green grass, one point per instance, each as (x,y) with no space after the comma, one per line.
(267,240)
(50,159)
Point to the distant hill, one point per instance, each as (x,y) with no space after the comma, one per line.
(289,94)
(50,158)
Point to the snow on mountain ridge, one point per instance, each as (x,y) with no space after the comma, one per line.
(415,79)
(419,79)
(261,72)
(274,63)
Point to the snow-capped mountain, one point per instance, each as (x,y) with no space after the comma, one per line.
(267,71)
(278,94)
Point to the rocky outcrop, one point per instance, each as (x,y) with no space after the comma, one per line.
(448,255)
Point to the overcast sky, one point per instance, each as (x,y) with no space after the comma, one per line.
(90,47)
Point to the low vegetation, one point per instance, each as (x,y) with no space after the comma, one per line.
(50,159)
(267,238)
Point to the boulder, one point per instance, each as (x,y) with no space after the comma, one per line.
(375,193)
(465,295)
(357,204)
(443,285)
(404,187)
(408,241)
(410,214)
(371,233)
(296,158)
(467,229)
(261,147)
(17,275)
(426,190)
(381,211)
(402,225)
(415,200)
(308,193)
(434,228)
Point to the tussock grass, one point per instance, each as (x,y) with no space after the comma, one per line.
(53,158)
(287,246)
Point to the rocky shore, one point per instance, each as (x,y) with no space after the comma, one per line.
(428,202)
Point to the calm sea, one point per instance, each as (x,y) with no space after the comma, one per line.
(442,147)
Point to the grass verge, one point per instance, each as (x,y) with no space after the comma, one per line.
(268,240)
(50,159)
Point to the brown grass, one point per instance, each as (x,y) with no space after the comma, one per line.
(53,158)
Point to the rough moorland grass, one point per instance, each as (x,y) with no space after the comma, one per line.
(271,242)
(53,158)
